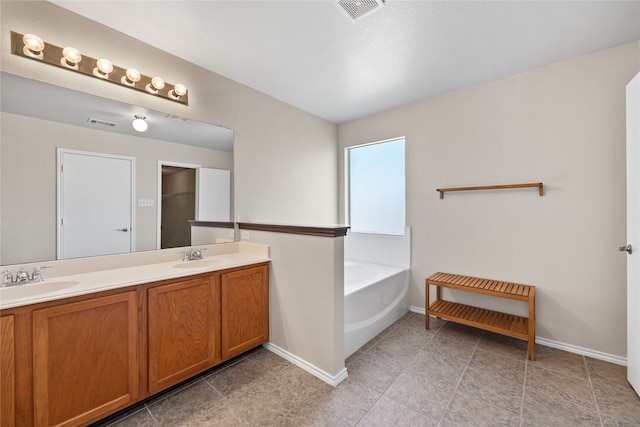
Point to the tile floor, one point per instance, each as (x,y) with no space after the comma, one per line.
(451,375)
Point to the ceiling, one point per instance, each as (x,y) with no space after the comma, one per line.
(313,55)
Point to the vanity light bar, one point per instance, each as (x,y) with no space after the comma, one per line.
(32,47)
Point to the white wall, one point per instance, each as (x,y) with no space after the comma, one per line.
(564,125)
(386,249)
(284,159)
(307,299)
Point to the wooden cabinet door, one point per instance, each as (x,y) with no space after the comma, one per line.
(85,359)
(245,310)
(7,372)
(183,330)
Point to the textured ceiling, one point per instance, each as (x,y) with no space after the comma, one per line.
(312,55)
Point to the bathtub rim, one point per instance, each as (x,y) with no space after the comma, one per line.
(388,271)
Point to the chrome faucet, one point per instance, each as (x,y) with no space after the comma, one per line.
(22,276)
(7,278)
(36,275)
(193,254)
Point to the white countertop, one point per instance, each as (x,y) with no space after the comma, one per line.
(89,282)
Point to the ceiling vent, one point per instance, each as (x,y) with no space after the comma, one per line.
(358,9)
(101,122)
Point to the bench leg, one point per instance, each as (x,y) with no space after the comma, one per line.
(426,305)
(438,295)
(532,324)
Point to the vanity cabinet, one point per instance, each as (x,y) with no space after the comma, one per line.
(85,359)
(245,310)
(195,324)
(74,361)
(7,372)
(184,330)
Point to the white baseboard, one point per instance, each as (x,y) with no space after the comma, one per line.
(594,354)
(418,310)
(332,380)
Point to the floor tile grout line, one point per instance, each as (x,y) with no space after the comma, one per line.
(393,327)
(118,420)
(155,422)
(367,411)
(593,392)
(571,376)
(335,414)
(227,400)
(214,389)
(380,339)
(399,403)
(455,389)
(404,369)
(524,390)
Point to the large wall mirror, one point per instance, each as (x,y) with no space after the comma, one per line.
(41,123)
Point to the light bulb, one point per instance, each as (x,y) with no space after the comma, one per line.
(131,76)
(178,91)
(103,68)
(156,84)
(140,124)
(70,57)
(33,46)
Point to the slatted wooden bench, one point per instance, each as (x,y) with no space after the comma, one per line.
(495,321)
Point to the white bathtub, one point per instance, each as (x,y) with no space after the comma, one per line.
(375,296)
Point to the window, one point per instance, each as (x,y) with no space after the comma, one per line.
(376,190)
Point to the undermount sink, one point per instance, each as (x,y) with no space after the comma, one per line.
(33,289)
(203,263)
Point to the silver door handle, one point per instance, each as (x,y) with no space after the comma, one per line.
(122,229)
(627,248)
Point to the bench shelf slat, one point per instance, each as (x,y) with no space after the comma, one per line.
(490,320)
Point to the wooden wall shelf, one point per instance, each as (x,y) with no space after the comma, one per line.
(492,187)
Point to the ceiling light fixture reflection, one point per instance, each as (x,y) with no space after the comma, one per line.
(103,68)
(156,84)
(33,46)
(70,58)
(178,91)
(140,123)
(131,77)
